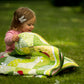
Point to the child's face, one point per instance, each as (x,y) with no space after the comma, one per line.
(28,26)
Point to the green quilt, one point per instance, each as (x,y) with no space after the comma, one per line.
(34,56)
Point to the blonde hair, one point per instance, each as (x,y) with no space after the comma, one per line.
(21,12)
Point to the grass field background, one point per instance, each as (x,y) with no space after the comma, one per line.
(60,26)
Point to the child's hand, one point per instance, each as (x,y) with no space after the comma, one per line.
(15,38)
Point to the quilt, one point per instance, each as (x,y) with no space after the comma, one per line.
(34,56)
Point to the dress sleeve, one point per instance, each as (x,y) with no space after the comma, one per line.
(8,38)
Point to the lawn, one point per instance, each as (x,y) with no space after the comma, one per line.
(62,27)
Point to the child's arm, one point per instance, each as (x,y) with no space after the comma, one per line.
(10,38)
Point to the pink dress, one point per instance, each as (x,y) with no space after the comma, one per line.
(10,45)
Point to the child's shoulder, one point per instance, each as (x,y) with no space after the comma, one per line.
(12,32)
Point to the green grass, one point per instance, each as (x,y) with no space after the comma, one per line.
(62,27)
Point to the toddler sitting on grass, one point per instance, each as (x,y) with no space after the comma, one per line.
(23,21)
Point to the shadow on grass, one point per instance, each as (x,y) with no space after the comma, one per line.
(68,71)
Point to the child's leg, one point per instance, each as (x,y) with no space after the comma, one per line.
(2,53)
